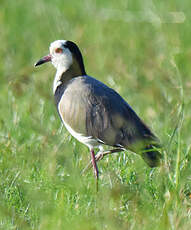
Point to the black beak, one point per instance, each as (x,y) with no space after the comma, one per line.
(43,60)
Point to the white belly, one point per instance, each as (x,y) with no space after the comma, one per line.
(89,141)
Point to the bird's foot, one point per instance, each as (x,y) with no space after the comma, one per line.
(100,156)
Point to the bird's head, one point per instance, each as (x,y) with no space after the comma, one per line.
(63,54)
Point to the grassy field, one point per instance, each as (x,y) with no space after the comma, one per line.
(142,49)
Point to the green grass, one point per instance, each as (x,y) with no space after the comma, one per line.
(147,61)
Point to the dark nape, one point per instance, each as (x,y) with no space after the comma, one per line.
(76,52)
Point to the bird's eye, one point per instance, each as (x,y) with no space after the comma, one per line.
(58,50)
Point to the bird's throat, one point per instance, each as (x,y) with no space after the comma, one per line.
(64,75)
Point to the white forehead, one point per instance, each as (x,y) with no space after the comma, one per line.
(56,44)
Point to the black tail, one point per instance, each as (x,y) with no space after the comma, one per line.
(152,156)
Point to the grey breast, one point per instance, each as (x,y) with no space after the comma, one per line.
(91,108)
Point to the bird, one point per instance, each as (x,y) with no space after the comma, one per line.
(95,114)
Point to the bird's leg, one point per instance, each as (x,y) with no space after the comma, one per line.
(100,156)
(96,173)
(95,168)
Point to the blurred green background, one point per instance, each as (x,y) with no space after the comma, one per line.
(142,49)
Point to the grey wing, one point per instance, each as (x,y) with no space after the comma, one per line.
(110,119)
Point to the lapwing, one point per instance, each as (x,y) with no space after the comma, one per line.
(93,113)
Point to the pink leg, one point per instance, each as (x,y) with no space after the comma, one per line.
(94,164)
(99,156)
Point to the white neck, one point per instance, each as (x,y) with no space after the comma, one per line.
(57,78)
(62,65)
(56,82)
